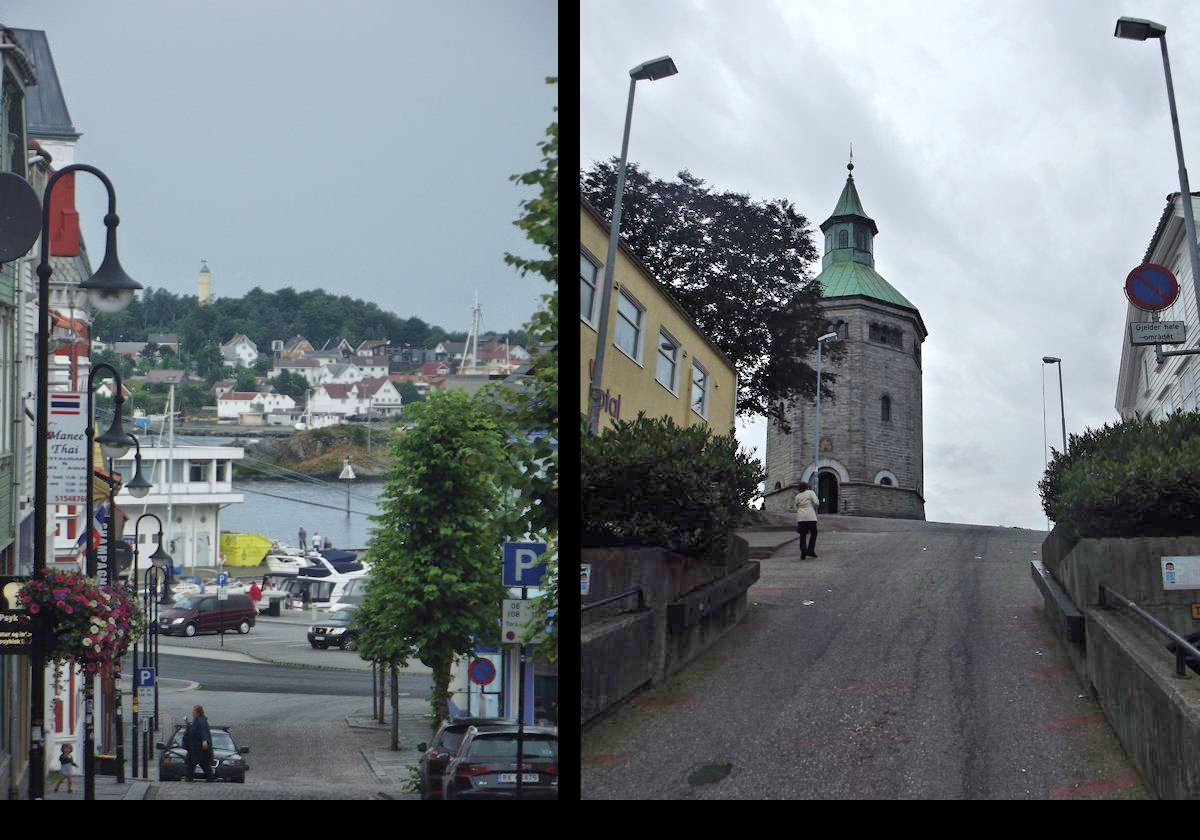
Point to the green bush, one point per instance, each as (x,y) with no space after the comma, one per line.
(1135,478)
(651,482)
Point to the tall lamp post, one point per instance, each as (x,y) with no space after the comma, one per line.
(137,526)
(113,444)
(1051,360)
(832,336)
(658,68)
(1137,29)
(110,289)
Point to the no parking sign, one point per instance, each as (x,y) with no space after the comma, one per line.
(481,671)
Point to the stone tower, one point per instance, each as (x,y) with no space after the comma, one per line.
(871,448)
(205,284)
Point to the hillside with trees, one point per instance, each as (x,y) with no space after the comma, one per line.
(264,316)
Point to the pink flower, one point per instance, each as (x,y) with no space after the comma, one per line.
(33,608)
(69,609)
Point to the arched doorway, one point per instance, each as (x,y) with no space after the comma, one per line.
(827,491)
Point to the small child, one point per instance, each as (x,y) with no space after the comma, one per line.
(67,765)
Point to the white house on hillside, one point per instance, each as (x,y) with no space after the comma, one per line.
(235,403)
(310,369)
(382,395)
(239,351)
(341,374)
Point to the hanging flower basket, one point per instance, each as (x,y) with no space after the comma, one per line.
(94,625)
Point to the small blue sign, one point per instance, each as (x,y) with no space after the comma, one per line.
(223,579)
(522,564)
(145,678)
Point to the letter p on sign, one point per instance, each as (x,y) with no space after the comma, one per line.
(523,565)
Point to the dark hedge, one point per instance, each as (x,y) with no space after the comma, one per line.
(1135,478)
(651,482)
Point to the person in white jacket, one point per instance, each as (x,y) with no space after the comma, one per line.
(806,519)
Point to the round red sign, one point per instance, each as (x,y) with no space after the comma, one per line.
(1151,287)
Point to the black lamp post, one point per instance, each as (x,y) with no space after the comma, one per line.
(137,541)
(110,289)
(113,444)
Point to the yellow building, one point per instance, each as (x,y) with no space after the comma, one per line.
(657,361)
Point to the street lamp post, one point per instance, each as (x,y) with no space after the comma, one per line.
(137,541)
(1137,29)
(817,442)
(113,444)
(110,289)
(1051,360)
(650,70)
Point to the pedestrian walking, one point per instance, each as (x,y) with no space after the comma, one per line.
(66,766)
(303,539)
(806,519)
(197,740)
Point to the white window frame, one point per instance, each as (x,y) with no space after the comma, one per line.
(597,279)
(640,326)
(696,366)
(660,357)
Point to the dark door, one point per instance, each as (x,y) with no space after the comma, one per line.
(827,490)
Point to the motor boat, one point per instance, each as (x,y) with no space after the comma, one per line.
(284,559)
(332,562)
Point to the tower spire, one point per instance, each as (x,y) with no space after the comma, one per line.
(850,165)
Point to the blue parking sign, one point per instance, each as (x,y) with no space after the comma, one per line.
(522,564)
(145,678)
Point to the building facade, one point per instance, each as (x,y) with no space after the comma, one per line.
(657,360)
(871,458)
(1145,387)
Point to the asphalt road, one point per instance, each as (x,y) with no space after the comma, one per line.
(910,660)
(214,675)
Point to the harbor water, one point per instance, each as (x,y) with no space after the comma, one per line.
(278,509)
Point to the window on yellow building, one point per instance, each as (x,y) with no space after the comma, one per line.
(629,326)
(700,390)
(668,360)
(589,273)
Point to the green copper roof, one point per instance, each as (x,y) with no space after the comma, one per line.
(844,279)
(849,202)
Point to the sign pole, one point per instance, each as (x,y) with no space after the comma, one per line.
(521,715)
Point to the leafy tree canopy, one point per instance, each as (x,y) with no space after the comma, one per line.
(739,267)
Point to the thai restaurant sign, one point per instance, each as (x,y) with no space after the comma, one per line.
(66,448)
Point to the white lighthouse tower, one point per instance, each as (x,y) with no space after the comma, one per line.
(205,284)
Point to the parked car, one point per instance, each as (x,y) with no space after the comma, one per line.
(194,614)
(228,760)
(446,742)
(485,766)
(336,631)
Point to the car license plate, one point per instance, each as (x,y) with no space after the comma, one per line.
(512,777)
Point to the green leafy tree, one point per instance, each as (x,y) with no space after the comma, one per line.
(209,363)
(435,546)
(532,405)
(409,394)
(245,379)
(292,384)
(740,268)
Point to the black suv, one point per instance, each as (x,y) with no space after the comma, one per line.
(486,764)
(227,762)
(445,745)
(335,631)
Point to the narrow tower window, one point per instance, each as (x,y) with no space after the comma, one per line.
(843,239)
(885,409)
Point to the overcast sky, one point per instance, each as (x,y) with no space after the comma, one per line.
(362,146)
(1016,157)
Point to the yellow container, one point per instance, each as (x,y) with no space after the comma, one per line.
(244,549)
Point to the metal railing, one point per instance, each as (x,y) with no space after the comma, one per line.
(1182,648)
(637,590)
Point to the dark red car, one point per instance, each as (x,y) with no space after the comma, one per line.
(445,745)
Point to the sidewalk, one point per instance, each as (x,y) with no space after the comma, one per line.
(107,787)
(394,768)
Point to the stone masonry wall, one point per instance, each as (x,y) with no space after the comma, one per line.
(852,430)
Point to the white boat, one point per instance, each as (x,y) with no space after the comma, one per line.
(283,558)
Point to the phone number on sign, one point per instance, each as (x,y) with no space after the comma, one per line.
(69,500)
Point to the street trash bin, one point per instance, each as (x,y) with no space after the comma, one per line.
(273,607)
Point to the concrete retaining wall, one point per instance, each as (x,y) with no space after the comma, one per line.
(1155,713)
(1125,662)
(624,648)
